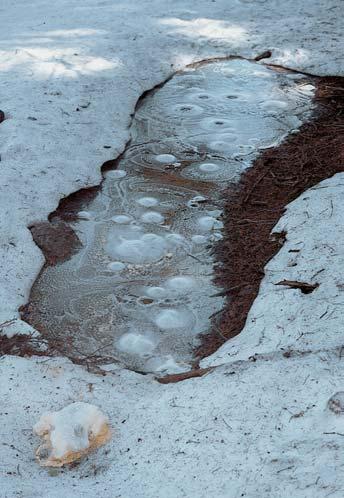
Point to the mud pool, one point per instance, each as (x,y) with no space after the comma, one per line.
(140,289)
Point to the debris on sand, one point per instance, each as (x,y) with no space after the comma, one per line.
(336,403)
(70,434)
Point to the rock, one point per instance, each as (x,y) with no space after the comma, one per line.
(70,434)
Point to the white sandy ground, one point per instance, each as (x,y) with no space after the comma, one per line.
(258,432)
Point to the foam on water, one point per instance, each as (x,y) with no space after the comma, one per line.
(141,288)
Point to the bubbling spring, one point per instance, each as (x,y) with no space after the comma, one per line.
(140,289)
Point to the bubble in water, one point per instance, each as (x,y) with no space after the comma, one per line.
(152,217)
(207,223)
(216,236)
(147,201)
(307,90)
(195,201)
(122,219)
(145,249)
(199,239)
(174,319)
(214,212)
(214,124)
(224,143)
(135,228)
(188,109)
(166,364)
(222,147)
(274,105)
(198,95)
(84,215)
(203,96)
(244,150)
(135,343)
(165,158)
(117,173)
(180,283)
(175,239)
(155,292)
(132,251)
(209,167)
(116,266)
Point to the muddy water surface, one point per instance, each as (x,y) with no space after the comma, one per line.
(140,289)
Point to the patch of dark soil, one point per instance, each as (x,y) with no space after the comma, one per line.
(57,240)
(69,206)
(55,237)
(20,344)
(191,374)
(255,205)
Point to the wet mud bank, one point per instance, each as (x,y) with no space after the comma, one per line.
(130,264)
(254,206)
